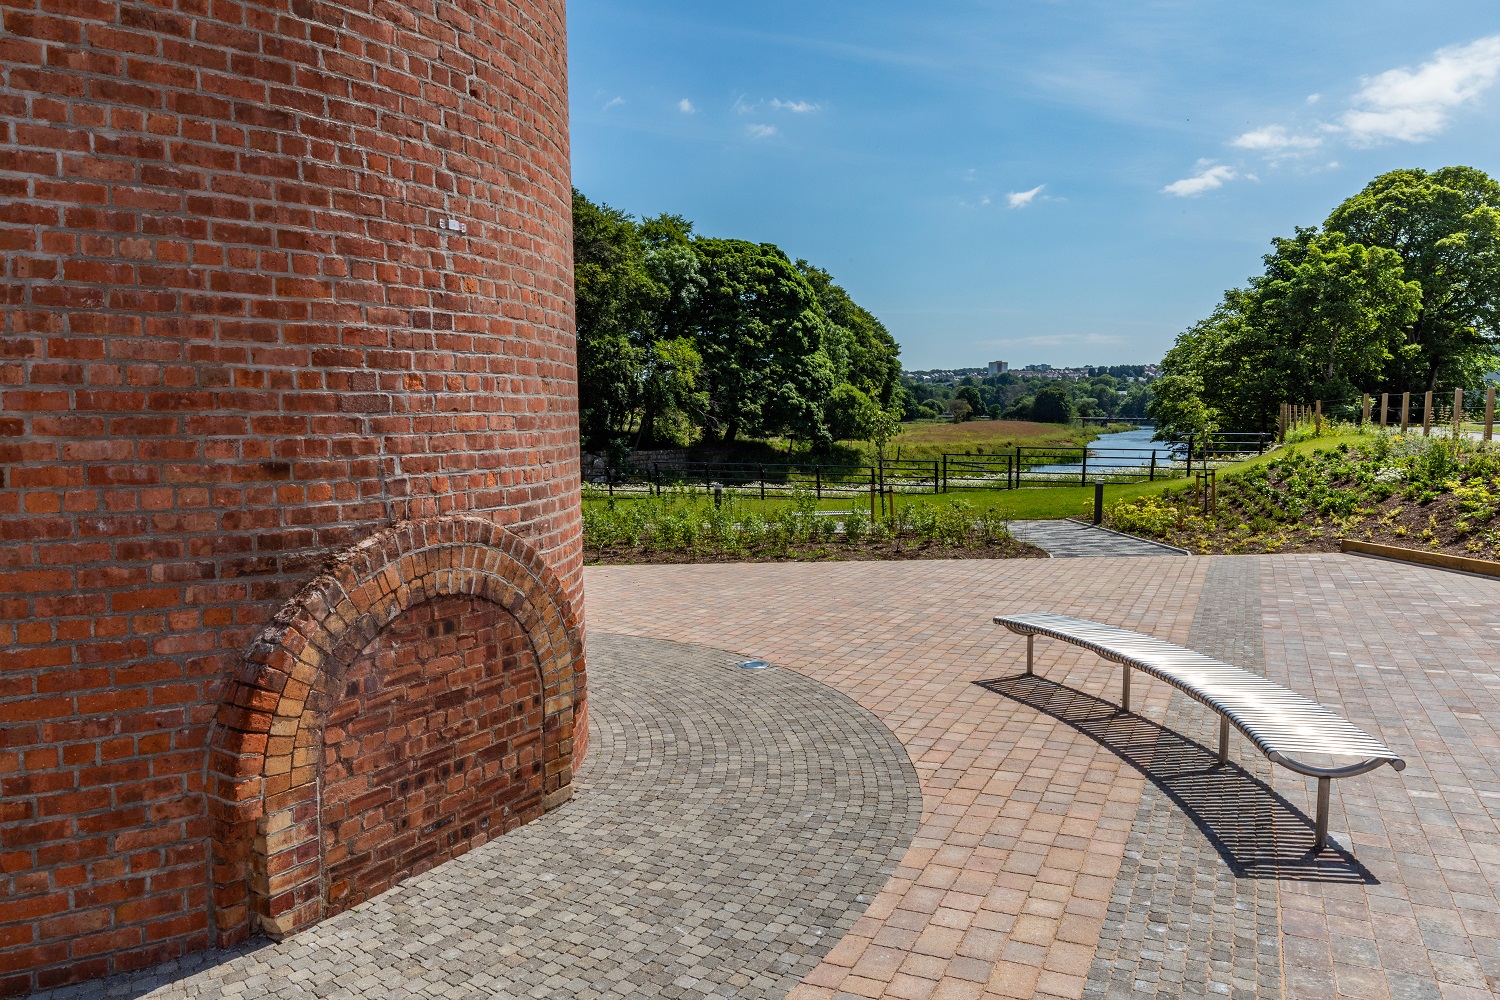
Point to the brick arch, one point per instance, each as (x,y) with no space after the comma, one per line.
(264,765)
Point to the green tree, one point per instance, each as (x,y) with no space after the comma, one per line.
(1052,406)
(849,413)
(759,327)
(1332,314)
(670,375)
(1445,227)
(868,356)
(615,296)
(970,394)
(1323,321)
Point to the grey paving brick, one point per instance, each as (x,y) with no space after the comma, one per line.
(1176,889)
(730,826)
(1065,539)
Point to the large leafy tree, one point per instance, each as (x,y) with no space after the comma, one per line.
(1052,406)
(679,335)
(863,351)
(615,301)
(1445,227)
(759,327)
(1324,320)
(1398,292)
(1331,315)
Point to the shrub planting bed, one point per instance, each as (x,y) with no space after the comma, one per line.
(686,526)
(1438,494)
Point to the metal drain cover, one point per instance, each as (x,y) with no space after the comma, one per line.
(754,665)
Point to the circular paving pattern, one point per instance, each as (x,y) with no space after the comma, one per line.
(729,827)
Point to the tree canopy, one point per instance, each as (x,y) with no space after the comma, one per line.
(684,338)
(1397,292)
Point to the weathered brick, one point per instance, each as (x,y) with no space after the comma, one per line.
(233,350)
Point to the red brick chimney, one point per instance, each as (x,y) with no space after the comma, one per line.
(288,462)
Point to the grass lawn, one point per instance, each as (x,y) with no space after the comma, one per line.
(1031,503)
(1025,504)
(929,439)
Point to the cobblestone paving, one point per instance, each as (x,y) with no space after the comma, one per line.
(1071,540)
(1184,919)
(730,827)
(1025,818)
(1032,798)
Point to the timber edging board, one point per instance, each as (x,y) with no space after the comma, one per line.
(1442,560)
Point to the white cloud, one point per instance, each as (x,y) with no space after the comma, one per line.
(1208,177)
(1275,139)
(613,102)
(1020,199)
(1414,105)
(760,131)
(796,107)
(1314,98)
(686,107)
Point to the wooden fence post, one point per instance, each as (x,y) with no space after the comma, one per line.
(1318,417)
(1489,412)
(1458,412)
(1364,410)
(1405,411)
(1427,413)
(1385,406)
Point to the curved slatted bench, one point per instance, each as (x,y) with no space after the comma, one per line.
(1281,723)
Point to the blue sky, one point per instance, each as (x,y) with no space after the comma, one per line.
(1050,181)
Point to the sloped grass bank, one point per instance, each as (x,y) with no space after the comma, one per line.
(1438,494)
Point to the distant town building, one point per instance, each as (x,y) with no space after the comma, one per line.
(997,367)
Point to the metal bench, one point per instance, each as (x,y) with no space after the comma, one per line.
(1280,722)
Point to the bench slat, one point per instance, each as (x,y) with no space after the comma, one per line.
(1280,722)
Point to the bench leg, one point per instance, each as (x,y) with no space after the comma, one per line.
(1030,639)
(1223,740)
(1125,688)
(1320,832)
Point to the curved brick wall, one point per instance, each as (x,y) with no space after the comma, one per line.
(278,276)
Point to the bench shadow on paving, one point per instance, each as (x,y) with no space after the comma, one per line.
(1256,831)
(729,827)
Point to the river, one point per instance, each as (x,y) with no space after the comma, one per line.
(1123,450)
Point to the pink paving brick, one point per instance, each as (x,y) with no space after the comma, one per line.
(1030,817)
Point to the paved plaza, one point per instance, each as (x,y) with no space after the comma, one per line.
(729,828)
(1047,865)
(890,811)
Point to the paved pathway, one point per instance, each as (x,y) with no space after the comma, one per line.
(1194,908)
(1045,861)
(1069,539)
(729,828)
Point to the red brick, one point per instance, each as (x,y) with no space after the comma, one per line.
(181,200)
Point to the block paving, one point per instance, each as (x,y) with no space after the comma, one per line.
(729,828)
(1064,539)
(1181,921)
(1043,863)
(1033,825)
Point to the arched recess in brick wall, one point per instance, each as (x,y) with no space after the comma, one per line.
(266,760)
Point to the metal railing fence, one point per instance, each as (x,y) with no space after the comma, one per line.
(1022,466)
